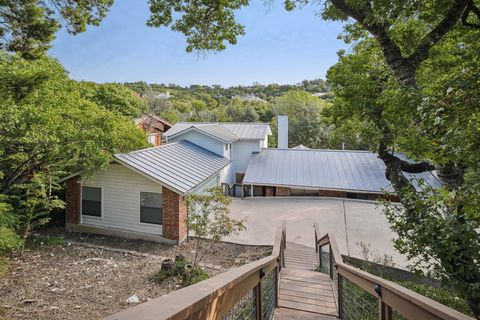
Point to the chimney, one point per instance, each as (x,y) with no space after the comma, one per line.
(282,132)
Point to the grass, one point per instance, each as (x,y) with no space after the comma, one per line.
(3,266)
(44,241)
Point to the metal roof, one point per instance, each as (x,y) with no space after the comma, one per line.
(359,171)
(181,166)
(225,131)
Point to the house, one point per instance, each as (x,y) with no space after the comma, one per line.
(234,141)
(142,193)
(313,172)
(154,126)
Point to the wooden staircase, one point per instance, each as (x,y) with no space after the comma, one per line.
(304,293)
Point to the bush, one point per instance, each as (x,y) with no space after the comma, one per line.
(182,271)
(441,295)
(9,240)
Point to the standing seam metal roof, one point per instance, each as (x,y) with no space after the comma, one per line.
(181,166)
(323,169)
(224,130)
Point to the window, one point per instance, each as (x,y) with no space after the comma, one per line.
(151,207)
(92,201)
(152,139)
(227,146)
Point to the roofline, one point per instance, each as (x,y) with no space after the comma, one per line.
(70,176)
(148,177)
(195,187)
(314,188)
(193,127)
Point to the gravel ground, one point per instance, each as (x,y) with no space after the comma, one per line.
(76,282)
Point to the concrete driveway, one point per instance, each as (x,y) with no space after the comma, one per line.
(351,222)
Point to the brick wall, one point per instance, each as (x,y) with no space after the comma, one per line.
(282,191)
(73,201)
(174,216)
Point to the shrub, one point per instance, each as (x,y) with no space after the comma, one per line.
(182,271)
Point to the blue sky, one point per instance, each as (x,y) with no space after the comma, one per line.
(279,47)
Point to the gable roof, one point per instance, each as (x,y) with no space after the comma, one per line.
(180,166)
(357,171)
(225,131)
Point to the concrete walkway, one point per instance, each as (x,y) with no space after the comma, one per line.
(350,221)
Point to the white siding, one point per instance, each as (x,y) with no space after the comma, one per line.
(201,140)
(264,142)
(210,183)
(242,151)
(121,189)
(227,175)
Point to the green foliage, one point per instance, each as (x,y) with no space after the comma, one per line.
(48,130)
(207,25)
(441,295)
(113,97)
(186,273)
(306,124)
(37,242)
(28,26)
(438,120)
(209,219)
(3,269)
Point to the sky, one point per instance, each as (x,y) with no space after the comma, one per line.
(279,47)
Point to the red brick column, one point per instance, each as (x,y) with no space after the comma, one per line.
(174,215)
(73,193)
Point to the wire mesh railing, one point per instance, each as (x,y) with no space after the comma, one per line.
(244,309)
(269,294)
(361,295)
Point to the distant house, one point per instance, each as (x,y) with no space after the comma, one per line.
(154,126)
(248,98)
(234,141)
(142,193)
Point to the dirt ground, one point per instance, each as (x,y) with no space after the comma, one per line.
(71,281)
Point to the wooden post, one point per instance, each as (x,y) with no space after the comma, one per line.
(340,296)
(258,298)
(331,261)
(384,311)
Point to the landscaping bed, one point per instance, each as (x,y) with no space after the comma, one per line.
(65,279)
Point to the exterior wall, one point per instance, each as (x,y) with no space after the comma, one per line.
(73,190)
(210,183)
(264,142)
(330,193)
(242,151)
(202,140)
(174,216)
(121,189)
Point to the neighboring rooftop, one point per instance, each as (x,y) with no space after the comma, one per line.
(358,171)
(301,147)
(226,131)
(175,165)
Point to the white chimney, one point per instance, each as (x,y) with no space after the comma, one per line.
(282,132)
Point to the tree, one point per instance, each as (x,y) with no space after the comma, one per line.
(435,228)
(209,219)
(113,97)
(28,26)
(48,130)
(306,124)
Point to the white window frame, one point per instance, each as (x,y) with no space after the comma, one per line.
(101,199)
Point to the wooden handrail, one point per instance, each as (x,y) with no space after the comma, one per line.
(213,297)
(390,295)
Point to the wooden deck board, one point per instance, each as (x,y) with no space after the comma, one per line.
(303,290)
